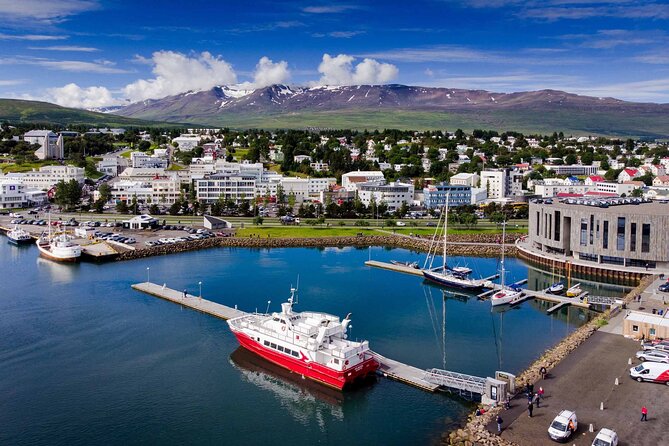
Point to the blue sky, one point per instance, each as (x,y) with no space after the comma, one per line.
(91,53)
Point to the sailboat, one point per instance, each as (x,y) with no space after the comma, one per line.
(572,290)
(443,275)
(506,294)
(556,287)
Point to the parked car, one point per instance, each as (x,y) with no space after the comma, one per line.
(559,428)
(653,355)
(664,287)
(651,371)
(605,437)
(400,223)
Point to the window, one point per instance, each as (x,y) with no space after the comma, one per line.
(273,345)
(266,343)
(584,232)
(296,354)
(632,236)
(557,226)
(605,235)
(550,225)
(592,227)
(538,222)
(280,348)
(620,234)
(336,361)
(635,328)
(651,332)
(645,237)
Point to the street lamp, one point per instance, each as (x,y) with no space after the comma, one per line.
(200,283)
(147,274)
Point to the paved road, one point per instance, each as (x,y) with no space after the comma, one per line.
(580,383)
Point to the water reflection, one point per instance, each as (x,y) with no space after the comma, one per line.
(58,272)
(303,399)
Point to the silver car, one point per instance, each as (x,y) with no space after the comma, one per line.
(653,355)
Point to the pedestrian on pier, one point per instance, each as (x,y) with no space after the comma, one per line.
(541,393)
(536,399)
(499,424)
(185,294)
(644,414)
(530,407)
(543,372)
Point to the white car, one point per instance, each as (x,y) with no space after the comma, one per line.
(653,355)
(559,428)
(400,223)
(605,437)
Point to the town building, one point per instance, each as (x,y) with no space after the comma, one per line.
(394,195)
(351,180)
(186,142)
(143,160)
(48,176)
(51,144)
(502,183)
(112,165)
(571,169)
(464,179)
(628,175)
(435,195)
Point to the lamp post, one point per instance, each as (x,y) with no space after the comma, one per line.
(147,275)
(200,283)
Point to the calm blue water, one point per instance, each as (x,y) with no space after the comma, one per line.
(86,360)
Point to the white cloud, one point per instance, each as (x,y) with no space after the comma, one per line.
(340,70)
(72,95)
(8,82)
(103,66)
(334,9)
(176,73)
(270,73)
(73,48)
(30,37)
(53,11)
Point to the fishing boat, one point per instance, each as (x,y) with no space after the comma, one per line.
(18,236)
(444,275)
(59,247)
(506,294)
(312,344)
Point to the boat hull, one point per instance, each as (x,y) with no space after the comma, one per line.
(311,370)
(17,242)
(44,252)
(444,281)
(507,298)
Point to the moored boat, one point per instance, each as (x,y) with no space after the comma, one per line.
(556,288)
(507,294)
(312,344)
(574,291)
(59,248)
(18,236)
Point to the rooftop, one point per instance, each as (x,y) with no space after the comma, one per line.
(644,207)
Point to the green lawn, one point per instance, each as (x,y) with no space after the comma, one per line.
(302,231)
(26,167)
(175,166)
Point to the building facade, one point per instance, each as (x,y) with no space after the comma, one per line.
(435,195)
(394,195)
(622,235)
(51,144)
(572,169)
(502,183)
(48,176)
(351,180)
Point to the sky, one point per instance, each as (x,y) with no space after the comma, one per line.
(93,53)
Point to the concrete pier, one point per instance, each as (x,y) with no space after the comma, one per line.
(392,267)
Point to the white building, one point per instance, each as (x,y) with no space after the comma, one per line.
(502,183)
(141,173)
(125,190)
(186,142)
(351,180)
(464,179)
(393,194)
(572,169)
(48,176)
(112,165)
(12,193)
(141,159)
(51,145)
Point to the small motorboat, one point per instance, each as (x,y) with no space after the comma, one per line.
(556,288)
(574,291)
(409,264)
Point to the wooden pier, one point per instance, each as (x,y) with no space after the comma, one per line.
(190,301)
(542,295)
(404,373)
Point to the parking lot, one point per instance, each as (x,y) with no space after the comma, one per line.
(580,383)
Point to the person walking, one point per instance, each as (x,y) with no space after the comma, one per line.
(185,294)
(542,370)
(536,399)
(530,407)
(499,424)
(541,393)
(644,414)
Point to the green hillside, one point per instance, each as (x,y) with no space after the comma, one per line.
(605,123)
(15,111)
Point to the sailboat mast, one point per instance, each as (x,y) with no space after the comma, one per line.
(445,231)
(502,262)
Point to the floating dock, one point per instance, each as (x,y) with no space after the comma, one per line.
(190,301)
(404,373)
(392,267)
(541,295)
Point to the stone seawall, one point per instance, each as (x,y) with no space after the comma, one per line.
(475,431)
(483,245)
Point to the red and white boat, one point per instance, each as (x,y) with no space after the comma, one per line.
(314,345)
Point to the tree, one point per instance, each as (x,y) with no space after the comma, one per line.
(637,193)
(469,220)
(154,209)
(68,194)
(122,207)
(175,208)
(133,204)
(105,192)
(98,206)
(498,217)
(258,220)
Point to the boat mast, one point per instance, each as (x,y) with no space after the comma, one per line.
(502,261)
(445,232)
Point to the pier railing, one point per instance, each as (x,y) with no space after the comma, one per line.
(455,380)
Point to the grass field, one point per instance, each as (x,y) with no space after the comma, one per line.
(26,167)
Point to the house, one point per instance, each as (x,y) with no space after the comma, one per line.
(215,223)
(662,180)
(464,179)
(628,175)
(594,179)
(658,170)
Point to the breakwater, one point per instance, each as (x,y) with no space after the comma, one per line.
(475,432)
(480,245)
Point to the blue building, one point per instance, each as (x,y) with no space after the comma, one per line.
(435,195)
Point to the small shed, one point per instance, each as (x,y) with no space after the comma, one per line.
(651,326)
(143,221)
(215,223)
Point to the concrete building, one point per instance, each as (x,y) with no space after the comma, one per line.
(572,169)
(143,160)
(351,180)
(112,165)
(226,185)
(502,183)
(620,234)
(435,195)
(186,142)
(464,179)
(51,145)
(12,193)
(394,195)
(48,176)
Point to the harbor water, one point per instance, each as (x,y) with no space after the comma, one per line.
(84,359)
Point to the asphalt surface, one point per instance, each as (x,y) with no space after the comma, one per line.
(580,383)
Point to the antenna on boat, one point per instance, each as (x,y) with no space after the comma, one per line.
(293,291)
(268,302)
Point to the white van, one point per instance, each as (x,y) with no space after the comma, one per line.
(651,371)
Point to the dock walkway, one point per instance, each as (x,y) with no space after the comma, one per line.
(190,301)
(404,373)
(392,267)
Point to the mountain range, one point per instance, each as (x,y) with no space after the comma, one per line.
(401,106)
